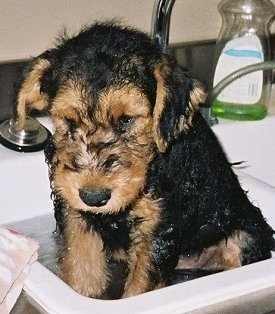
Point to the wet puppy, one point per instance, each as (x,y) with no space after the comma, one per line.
(140,184)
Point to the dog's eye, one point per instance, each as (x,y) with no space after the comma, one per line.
(70,123)
(123,122)
(124,119)
(72,165)
(110,161)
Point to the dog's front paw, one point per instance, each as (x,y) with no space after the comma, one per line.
(132,291)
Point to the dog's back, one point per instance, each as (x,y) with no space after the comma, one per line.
(202,195)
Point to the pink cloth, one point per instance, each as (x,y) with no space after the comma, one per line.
(17,253)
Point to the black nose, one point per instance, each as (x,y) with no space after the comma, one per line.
(95,196)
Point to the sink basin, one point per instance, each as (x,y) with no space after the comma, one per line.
(26,207)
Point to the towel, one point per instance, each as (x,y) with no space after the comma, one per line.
(17,253)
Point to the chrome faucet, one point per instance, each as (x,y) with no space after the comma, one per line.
(161,22)
(31,138)
(160,34)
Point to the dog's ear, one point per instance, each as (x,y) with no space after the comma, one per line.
(30,94)
(178,97)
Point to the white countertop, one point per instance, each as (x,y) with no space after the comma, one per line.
(251,142)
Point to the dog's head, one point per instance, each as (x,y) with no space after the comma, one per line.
(114,100)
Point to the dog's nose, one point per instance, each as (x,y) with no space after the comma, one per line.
(95,196)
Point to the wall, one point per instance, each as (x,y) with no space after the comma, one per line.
(27,27)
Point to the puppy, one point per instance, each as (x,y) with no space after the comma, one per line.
(140,184)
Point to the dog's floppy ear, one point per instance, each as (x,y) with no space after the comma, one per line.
(178,97)
(29,93)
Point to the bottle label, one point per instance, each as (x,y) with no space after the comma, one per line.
(238,53)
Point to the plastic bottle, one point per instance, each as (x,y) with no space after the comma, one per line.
(243,40)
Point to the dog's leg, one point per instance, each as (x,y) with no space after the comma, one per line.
(140,264)
(225,255)
(83,263)
(138,280)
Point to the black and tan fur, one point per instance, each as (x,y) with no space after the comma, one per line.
(140,184)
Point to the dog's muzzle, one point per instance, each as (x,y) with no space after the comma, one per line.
(95,196)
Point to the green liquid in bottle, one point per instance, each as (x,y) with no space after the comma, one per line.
(238,112)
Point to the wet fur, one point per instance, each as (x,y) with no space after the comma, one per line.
(126,121)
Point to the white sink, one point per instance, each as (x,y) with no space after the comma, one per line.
(25,194)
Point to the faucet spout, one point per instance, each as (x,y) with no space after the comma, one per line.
(161,22)
(160,34)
